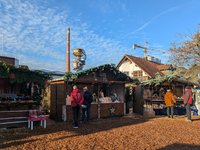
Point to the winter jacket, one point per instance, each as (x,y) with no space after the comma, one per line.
(168,98)
(87,96)
(76,98)
(188,97)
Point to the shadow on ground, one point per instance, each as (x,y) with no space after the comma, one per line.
(179,146)
(10,137)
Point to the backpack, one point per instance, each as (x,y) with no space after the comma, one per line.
(90,100)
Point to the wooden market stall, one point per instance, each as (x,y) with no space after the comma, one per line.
(103,78)
(153,96)
(20,94)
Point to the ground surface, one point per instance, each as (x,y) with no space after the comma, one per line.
(129,132)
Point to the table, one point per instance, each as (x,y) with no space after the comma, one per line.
(37,118)
(177,111)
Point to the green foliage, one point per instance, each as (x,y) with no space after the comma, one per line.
(129,94)
(23,75)
(159,79)
(69,76)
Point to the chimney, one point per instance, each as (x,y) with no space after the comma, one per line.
(68,51)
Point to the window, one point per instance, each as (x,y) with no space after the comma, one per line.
(135,65)
(199,75)
(137,73)
(140,73)
(126,72)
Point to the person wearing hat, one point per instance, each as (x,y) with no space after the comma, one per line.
(188,101)
(76,101)
(88,98)
(169,102)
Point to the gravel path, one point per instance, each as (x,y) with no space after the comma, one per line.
(123,133)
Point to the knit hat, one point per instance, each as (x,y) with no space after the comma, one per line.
(85,88)
(187,87)
(75,87)
(169,90)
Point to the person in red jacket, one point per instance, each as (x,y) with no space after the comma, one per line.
(76,102)
(188,101)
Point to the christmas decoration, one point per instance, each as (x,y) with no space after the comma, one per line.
(12,75)
(69,76)
(112,110)
(46,82)
(21,75)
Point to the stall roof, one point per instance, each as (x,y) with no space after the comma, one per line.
(185,81)
(94,69)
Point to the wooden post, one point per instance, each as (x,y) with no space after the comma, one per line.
(98,94)
(124,108)
(64,117)
(98,101)
(40,108)
(183,91)
(32,87)
(99,111)
(124,89)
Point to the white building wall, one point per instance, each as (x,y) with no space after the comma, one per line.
(126,66)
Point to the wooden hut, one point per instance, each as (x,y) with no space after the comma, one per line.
(153,95)
(105,77)
(20,93)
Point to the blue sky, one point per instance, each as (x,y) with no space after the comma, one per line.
(106,29)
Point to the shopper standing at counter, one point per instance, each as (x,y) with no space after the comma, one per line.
(76,102)
(169,102)
(188,101)
(88,99)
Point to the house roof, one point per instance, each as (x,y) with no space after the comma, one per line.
(148,67)
(164,67)
(23,66)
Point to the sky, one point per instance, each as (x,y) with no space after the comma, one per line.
(36,30)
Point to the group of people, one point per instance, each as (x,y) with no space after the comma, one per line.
(170,101)
(80,100)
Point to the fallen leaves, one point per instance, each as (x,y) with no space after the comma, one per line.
(114,133)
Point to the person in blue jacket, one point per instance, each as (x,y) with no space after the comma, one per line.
(86,104)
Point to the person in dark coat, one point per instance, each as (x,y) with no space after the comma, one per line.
(188,101)
(86,104)
(76,101)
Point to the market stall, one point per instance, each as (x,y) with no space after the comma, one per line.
(106,83)
(153,96)
(20,93)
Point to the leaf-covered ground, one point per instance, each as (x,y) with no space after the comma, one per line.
(129,132)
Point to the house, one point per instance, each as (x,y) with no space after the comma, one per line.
(10,60)
(192,74)
(142,69)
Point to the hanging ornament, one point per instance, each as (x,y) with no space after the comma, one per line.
(12,75)
(27,85)
(46,82)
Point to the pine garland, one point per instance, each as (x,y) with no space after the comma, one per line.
(159,79)
(22,74)
(69,76)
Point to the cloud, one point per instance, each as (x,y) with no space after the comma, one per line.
(146,24)
(38,34)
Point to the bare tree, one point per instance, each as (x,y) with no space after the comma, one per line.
(186,54)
